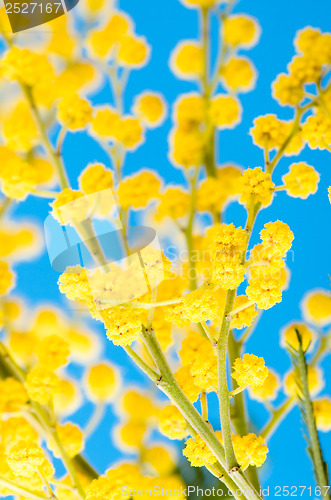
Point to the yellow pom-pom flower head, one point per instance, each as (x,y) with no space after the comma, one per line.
(53,352)
(187,60)
(151,108)
(101,382)
(255,182)
(249,371)
(301,180)
(238,74)
(133,52)
(198,452)
(172,423)
(41,384)
(25,458)
(268,391)
(74,112)
(316,307)
(241,31)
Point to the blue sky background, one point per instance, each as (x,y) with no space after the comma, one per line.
(164,23)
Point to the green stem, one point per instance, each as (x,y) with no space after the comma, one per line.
(315,447)
(223,390)
(5,206)
(82,464)
(169,385)
(95,419)
(87,234)
(55,158)
(238,407)
(204,406)
(68,463)
(277,417)
(142,365)
(189,231)
(141,305)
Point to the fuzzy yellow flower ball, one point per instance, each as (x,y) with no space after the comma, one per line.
(268,132)
(26,66)
(41,384)
(129,132)
(316,307)
(136,191)
(14,429)
(301,180)
(250,450)
(241,31)
(238,74)
(287,91)
(70,207)
(174,203)
(101,381)
(12,395)
(74,283)
(67,397)
(322,412)
(225,111)
(138,406)
(110,487)
(102,41)
(190,111)
(200,305)
(105,122)
(123,325)
(316,131)
(249,371)
(71,437)
(226,244)
(187,60)
(188,383)
(268,390)
(25,458)
(133,51)
(172,423)
(159,459)
(94,178)
(19,128)
(255,182)
(198,452)
(278,236)
(74,112)
(246,316)
(150,107)
(53,351)
(265,291)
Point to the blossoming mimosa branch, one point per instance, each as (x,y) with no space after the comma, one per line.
(222,348)
(41,416)
(279,413)
(169,385)
(306,406)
